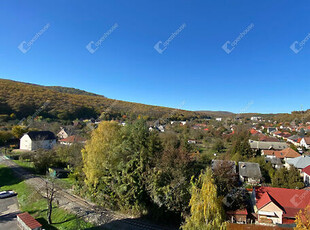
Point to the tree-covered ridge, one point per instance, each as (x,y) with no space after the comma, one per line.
(25,99)
(70,90)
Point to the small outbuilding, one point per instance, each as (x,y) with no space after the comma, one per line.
(26,222)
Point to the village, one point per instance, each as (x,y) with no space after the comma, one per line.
(259,197)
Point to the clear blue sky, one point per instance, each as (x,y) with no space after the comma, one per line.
(261,74)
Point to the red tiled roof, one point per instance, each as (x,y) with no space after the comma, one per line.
(291,200)
(72,139)
(264,200)
(29,220)
(253,131)
(306,170)
(285,153)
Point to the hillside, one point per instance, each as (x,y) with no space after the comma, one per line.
(25,99)
(71,90)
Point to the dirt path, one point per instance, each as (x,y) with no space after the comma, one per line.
(84,209)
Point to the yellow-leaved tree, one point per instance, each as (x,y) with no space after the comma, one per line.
(98,151)
(206,212)
(303,219)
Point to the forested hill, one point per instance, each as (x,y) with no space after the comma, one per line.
(71,90)
(24,99)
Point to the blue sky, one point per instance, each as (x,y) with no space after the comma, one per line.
(261,73)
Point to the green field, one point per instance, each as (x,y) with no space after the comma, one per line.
(30,201)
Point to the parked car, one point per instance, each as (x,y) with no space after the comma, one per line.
(5,194)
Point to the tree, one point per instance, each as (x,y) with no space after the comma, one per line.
(98,151)
(225,177)
(219,146)
(303,219)
(50,190)
(205,208)
(4,137)
(284,178)
(18,131)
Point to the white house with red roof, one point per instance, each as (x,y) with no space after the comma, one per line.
(305,142)
(72,139)
(279,205)
(306,172)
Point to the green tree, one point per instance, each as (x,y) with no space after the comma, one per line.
(284,178)
(18,131)
(219,146)
(205,207)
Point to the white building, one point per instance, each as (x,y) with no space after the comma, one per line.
(218,119)
(34,140)
(305,142)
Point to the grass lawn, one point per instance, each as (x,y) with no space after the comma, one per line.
(26,164)
(32,202)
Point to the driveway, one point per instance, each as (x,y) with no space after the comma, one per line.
(8,211)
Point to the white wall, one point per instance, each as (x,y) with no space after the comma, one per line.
(25,143)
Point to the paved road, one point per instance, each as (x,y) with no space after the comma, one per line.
(8,211)
(83,208)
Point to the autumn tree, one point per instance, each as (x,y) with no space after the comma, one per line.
(303,219)
(225,176)
(205,208)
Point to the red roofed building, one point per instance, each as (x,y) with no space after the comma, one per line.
(281,154)
(72,139)
(279,205)
(239,216)
(26,222)
(306,172)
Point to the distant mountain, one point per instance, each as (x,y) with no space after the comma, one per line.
(216,113)
(65,103)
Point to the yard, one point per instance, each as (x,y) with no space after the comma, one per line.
(29,200)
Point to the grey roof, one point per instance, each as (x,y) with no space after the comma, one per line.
(274,160)
(299,162)
(41,135)
(250,170)
(267,145)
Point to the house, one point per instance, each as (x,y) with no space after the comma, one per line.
(26,222)
(249,172)
(281,154)
(278,205)
(271,129)
(264,145)
(34,140)
(72,139)
(294,139)
(256,118)
(305,142)
(306,172)
(237,216)
(63,133)
(298,162)
(218,119)
(275,162)
(191,141)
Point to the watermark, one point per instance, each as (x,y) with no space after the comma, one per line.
(228,46)
(296,200)
(160,46)
(30,120)
(296,46)
(24,46)
(93,46)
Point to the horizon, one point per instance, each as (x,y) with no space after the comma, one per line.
(194,56)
